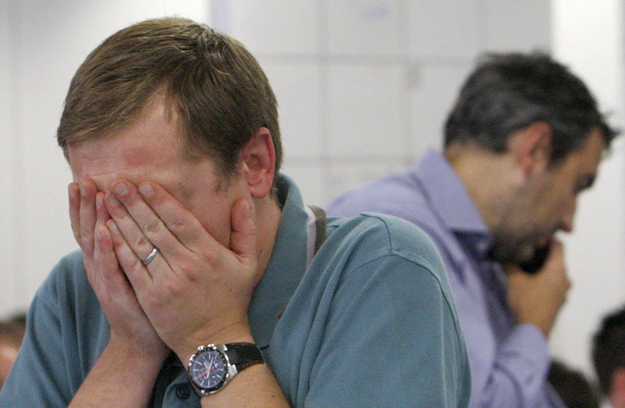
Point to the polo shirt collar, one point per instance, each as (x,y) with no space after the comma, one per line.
(286,265)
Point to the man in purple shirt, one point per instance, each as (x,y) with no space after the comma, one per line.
(523,139)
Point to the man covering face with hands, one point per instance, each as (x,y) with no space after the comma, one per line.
(203,279)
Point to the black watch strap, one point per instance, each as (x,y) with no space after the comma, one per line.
(213,366)
(243,355)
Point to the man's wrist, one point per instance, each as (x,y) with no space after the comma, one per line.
(232,334)
(133,352)
(213,366)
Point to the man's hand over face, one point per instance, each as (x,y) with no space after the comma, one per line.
(537,299)
(195,291)
(130,327)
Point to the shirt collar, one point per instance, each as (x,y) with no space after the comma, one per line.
(286,265)
(450,201)
(448,194)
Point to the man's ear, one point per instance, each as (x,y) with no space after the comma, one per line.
(258,158)
(532,147)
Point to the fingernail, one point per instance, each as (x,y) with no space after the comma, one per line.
(146,190)
(120,189)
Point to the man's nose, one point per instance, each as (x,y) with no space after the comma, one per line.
(566,222)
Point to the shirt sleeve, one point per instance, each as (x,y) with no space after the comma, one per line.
(508,370)
(375,326)
(391,341)
(52,363)
(518,375)
(37,377)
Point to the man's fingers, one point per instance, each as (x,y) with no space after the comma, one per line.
(103,252)
(102,214)
(243,237)
(138,223)
(103,255)
(104,275)
(176,218)
(73,192)
(87,214)
(128,261)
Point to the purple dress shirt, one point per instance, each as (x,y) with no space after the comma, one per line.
(509,362)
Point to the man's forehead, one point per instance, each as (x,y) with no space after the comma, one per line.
(135,154)
(126,153)
(104,174)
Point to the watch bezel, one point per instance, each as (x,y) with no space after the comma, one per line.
(229,372)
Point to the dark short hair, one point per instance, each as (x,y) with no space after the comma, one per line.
(608,348)
(218,88)
(572,386)
(508,92)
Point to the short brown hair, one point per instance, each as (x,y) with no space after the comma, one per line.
(218,88)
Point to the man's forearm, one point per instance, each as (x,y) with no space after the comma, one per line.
(518,376)
(122,377)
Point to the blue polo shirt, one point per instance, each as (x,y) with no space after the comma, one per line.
(370,322)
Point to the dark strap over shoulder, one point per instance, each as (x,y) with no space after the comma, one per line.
(320,225)
(320,233)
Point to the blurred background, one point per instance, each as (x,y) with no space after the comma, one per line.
(364,87)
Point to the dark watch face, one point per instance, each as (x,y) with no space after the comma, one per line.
(208,370)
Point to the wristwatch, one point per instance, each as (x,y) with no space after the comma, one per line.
(213,366)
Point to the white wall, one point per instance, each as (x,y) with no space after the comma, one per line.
(363,86)
(588,36)
(6,173)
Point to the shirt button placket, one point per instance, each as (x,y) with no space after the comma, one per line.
(183,391)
